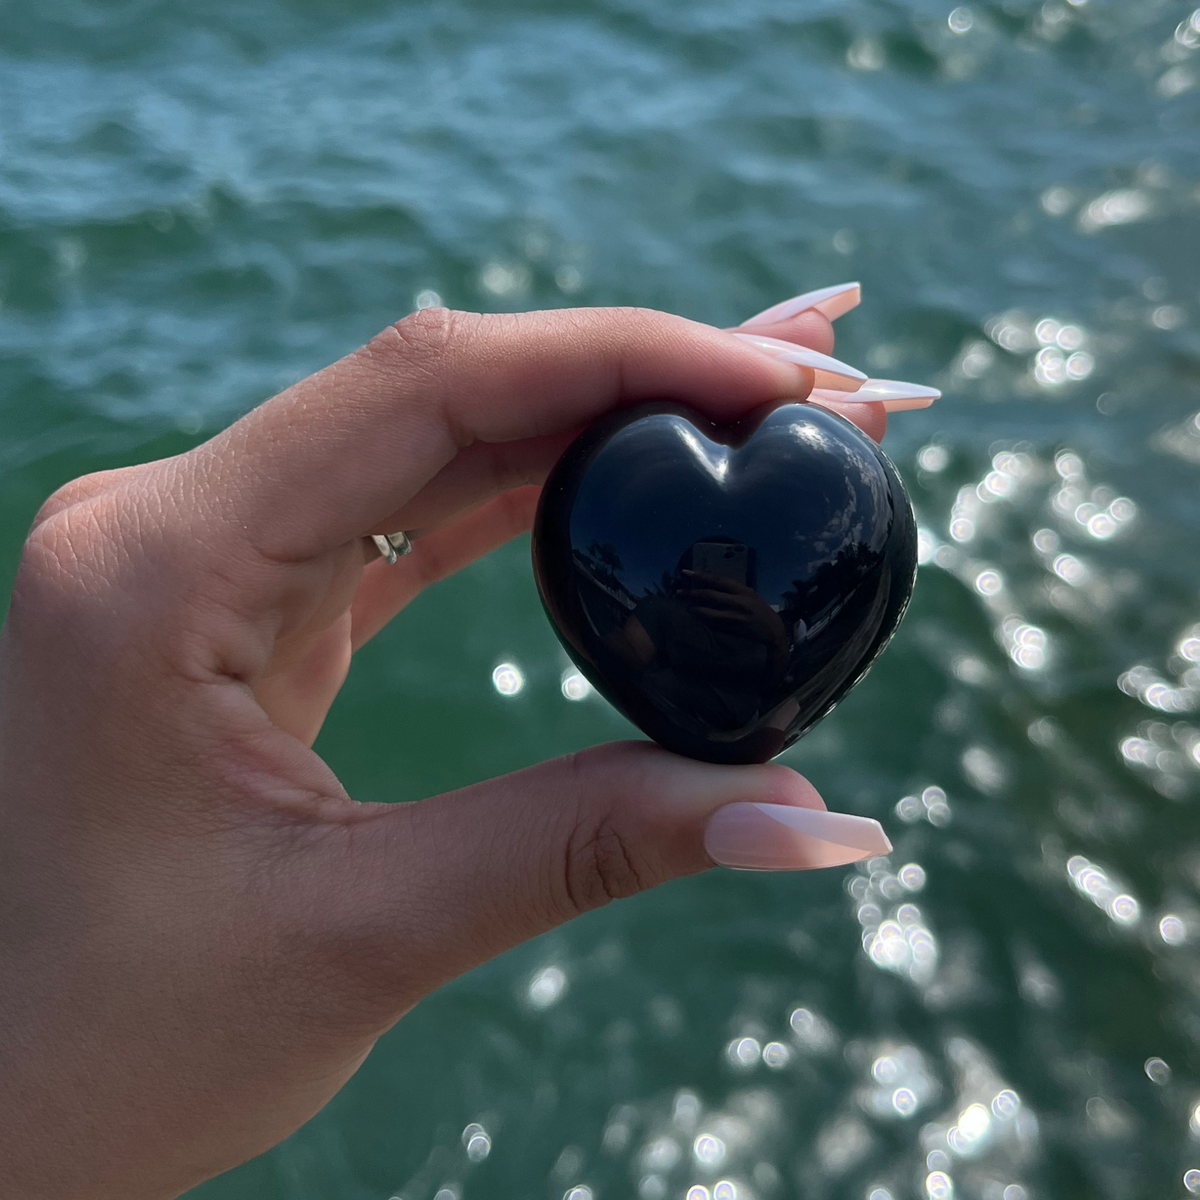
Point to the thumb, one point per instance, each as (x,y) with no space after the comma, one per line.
(447,883)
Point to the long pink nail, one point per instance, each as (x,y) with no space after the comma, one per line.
(894,394)
(830,302)
(779,837)
(829,372)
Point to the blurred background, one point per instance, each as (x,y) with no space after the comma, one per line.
(200,203)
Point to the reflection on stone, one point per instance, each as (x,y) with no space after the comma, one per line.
(724,587)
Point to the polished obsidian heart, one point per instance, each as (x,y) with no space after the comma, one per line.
(724,587)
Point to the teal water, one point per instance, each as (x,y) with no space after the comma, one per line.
(200,203)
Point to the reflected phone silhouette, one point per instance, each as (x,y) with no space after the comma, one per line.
(728,560)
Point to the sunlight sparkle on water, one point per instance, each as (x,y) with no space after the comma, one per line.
(1157,1071)
(1094,883)
(895,938)
(1172,929)
(660,1155)
(939,1186)
(931,805)
(574,685)
(960,20)
(814,1034)
(1026,644)
(507,679)
(1098,510)
(1122,206)
(776,1055)
(933,458)
(546,987)
(744,1052)
(989,582)
(477,1141)
(902,1082)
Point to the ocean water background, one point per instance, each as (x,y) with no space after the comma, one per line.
(201,203)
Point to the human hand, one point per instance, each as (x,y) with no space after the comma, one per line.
(201,934)
(725,602)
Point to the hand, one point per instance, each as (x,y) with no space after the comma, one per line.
(201,934)
(725,602)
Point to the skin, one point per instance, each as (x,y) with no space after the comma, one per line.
(201,934)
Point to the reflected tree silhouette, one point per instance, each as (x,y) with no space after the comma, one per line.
(833,582)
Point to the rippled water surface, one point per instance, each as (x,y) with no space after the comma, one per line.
(202,202)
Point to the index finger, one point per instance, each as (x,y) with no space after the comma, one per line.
(329,458)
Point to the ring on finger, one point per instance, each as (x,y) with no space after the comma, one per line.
(392,546)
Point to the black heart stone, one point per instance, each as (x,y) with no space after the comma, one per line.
(724,587)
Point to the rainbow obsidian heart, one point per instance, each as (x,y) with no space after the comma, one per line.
(724,587)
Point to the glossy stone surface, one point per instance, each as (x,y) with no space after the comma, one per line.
(724,587)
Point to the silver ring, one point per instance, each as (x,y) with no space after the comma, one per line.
(392,546)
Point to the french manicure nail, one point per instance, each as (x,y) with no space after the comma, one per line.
(779,837)
(830,302)
(829,372)
(894,394)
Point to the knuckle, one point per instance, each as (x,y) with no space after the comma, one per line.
(54,549)
(117,560)
(601,863)
(79,550)
(419,341)
(421,349)
(63,557)
(76,491)
(601,866)
(59,588)
(427,329)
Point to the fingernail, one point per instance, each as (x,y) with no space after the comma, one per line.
(830,302)
(830,373)
(779,837)
(894,394)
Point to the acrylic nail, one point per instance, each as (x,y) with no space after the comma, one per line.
(780,837)
(894,394)
(829,372)
(830,302)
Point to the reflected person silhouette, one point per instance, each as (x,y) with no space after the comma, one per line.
(707,641)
